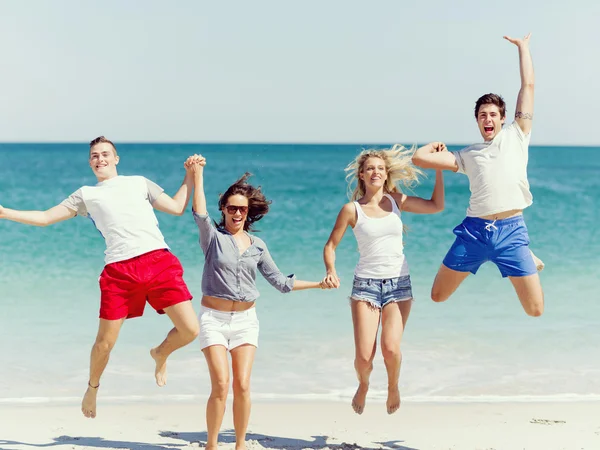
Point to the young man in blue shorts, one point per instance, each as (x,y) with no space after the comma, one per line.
(494,229)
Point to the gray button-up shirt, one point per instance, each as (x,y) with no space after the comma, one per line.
(231,275)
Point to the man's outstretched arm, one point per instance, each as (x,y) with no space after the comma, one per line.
(436,156)
(524,108)
(38,218)
(177,204)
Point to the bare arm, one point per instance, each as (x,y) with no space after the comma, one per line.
(38,218)
(420,205)
(524,108)
(196,165)
(300,285)
(177,204)
(345,218)
(435,156)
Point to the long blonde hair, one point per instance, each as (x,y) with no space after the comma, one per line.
(398,166)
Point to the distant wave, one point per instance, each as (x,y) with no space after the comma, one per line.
(376,397)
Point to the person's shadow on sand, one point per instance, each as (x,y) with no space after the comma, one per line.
(278,442)
(227,436)
(97,442)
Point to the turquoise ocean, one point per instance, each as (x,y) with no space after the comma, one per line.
(478,346)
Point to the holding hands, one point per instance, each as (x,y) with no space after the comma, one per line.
(331,281)
(195,164)
(438,147)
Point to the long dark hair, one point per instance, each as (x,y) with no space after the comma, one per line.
(258,205)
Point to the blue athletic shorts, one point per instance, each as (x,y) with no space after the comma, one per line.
(504,242)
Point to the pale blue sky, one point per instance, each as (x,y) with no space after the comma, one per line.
(290,71)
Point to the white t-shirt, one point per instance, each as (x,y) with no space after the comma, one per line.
(497,172)
(121,209)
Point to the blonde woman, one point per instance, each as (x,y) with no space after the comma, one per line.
(381,291)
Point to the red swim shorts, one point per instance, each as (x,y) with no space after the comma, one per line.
(156,277)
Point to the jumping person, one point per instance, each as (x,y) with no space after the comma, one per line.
(382,291)
(494,229)
(228,319)
(138,264)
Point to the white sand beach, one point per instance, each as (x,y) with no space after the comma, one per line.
(309,425)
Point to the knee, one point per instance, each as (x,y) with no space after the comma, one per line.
(220,390)
(437,296)
(390,352)
(363,362)
(241,386)
(103,345)
(535,311)
(190,332)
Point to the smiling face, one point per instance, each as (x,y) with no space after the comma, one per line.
(489,121)
(103,161)
(373,173)
(235,213)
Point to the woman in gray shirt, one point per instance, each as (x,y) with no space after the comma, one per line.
(227,315)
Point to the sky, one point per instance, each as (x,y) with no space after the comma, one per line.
(290,71)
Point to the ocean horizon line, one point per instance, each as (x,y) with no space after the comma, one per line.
(278,143)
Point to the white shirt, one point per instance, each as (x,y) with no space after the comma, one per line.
(121,209)
(380,244)
(497,172)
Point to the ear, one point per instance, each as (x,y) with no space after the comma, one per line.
(117,159)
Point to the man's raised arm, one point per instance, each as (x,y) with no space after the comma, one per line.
(177,204)
(524,108)
(38,218)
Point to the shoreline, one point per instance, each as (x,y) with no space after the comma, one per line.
(176,399)
(309,425)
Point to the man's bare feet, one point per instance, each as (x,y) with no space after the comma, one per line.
(539,264)
(88,404)
(393,400)
(160,372)
(358,402)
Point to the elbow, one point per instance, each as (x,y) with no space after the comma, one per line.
(44,221)
(528,86)
(417,160)
(438,207)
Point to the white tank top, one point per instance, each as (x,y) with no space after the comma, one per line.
(380,244)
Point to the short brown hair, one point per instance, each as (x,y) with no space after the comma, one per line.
(101,140)
(491,99)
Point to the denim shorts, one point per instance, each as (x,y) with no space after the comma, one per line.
(504,242)
(379,292)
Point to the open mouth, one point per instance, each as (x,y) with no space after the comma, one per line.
(236,221)
(488,129)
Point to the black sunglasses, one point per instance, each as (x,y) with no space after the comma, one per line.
(232,209)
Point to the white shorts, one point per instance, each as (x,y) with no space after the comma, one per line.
(229,329)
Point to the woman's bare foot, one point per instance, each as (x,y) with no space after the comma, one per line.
(539,264)
(88,404)
(160,372)
(393,400)
(358,402)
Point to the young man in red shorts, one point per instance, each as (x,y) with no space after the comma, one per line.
(139,266)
